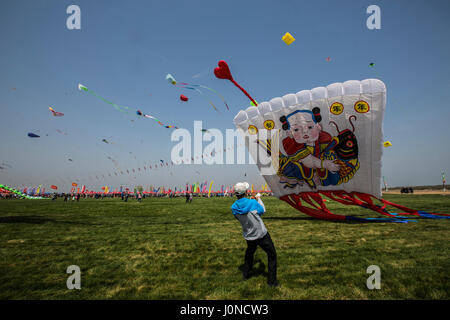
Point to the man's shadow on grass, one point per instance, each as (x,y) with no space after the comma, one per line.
(257,270)
(36,220)
(289,218)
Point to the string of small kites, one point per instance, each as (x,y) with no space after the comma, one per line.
(160,165)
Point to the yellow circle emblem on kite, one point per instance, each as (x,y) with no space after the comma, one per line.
(269,124)
(337,108)
(361,106)
(252,129)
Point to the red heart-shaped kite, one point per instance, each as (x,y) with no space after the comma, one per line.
(222,71)
(184,98)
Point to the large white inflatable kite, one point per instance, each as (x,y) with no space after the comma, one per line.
(329,138)
(327,141)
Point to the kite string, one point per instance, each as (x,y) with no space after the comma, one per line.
(191,88)
(185,84)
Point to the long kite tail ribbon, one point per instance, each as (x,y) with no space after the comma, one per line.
(116,106)
(319,210)
(139,113)
(185,85)
(193,87)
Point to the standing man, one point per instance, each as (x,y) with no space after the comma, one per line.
(248,212)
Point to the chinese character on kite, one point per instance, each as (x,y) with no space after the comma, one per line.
(326,141)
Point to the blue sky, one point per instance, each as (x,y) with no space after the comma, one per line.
(124,50)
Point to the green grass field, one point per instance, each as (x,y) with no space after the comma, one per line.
(166,249)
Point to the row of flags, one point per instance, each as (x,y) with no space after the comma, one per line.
(203,188)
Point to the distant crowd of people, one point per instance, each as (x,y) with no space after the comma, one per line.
(406,190)
(124,196)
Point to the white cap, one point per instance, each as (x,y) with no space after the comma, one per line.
(241,187)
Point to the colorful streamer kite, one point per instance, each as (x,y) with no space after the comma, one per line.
(17,192)
(140,113)
(56,113)
(61,132)
(116,106)
(195,87)
(121,108)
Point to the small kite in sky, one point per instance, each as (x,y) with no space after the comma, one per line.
(59,131)
(70,160)
(56,113)
(288,38)
(183,98)
(372,65)
(328,59)
(171,79)
(105,141)
(33,135)
(387,144)
(140,113)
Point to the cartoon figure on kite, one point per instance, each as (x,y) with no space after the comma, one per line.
(312,155)
(346,152)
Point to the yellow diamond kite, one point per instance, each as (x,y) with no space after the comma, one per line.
(288,38)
